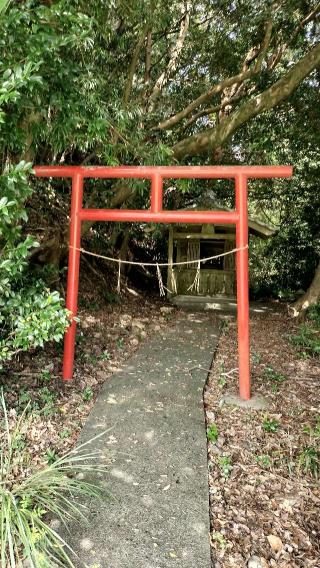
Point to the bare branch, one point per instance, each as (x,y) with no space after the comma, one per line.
(200,100)
(264,47)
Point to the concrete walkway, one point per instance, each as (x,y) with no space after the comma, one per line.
(159,516)
(222,305)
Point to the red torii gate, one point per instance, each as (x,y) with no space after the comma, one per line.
(156,214)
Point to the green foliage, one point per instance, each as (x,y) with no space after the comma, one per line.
(120,343)
(219,539)
(67,95)
(264,461)
(270,425)
(26,498)
(313,314)
(3,5)
(256,358)
(30,314)
(307,340)
(65,433)
(274,377)
(90,305)
(309,461)
(308,337)
(51,456)
(47,399)
(225,465)
(46,376)
(222,381)
(105,356)
(42,401)
(112,297)
(87,394)
(286,263)
(212,433)
(222,378)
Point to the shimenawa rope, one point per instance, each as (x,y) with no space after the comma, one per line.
(194,286)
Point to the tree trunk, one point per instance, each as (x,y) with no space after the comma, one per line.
(310,298)
(124,249)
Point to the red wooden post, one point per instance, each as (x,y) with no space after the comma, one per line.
(242,262)
(156,193)
(73,274)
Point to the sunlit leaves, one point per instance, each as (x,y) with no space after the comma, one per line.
(30,314)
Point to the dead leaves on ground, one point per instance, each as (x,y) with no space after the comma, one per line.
(266,510)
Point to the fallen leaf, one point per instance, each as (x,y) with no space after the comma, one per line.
(275,542)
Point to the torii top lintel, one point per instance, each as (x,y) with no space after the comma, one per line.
(187,172)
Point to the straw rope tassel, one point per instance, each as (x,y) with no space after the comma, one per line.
(161,286)
(197,278)
(119,278)
(174,282)
(196,283)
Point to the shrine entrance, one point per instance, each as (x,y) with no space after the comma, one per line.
(156,214)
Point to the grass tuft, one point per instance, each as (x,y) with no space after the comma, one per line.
(28,498)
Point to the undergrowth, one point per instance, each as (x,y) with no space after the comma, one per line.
(307,339)
(28,498)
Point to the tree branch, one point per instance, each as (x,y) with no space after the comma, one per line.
(212,138)
(276,57)
(212,110)
(174,56)
(148,58)
(133,65)
(311,16)
(220,87)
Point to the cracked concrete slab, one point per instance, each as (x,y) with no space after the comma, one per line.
(159,514)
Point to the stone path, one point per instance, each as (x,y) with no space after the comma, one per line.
(159,516)
(222,305)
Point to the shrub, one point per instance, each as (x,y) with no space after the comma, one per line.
(27,497)
(30,314)
(212,433)
(309,461)
(308,340)
(270,425)
(313,314)
(274,377)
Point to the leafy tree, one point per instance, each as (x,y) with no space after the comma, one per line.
(155,82)
(29,313)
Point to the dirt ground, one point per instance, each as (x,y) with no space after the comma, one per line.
(108,333)
(263,465)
